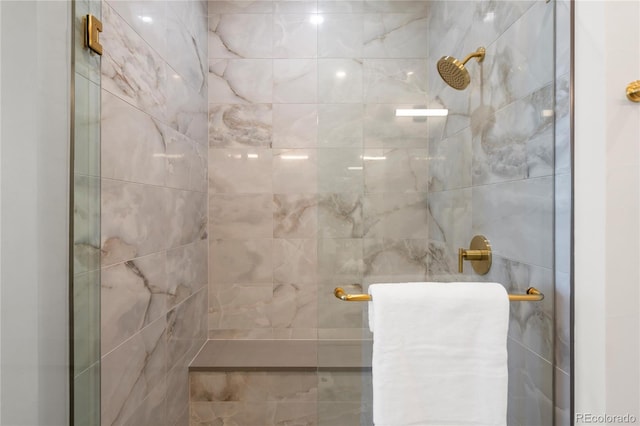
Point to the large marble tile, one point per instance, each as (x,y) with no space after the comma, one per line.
(442,265)
(187,41)
(295,81)
(295,261)
(382,129)
(134,294)
(340,126)
(296,7)
(131,372)
(396,170)
(148,19)
(152,410)
(345,413)
(295,215)
(295,125)
(340,35)
(259,386)
(530,387)
(528,43)
(134,220)
(502,151)
(297,413)
(185,162)
(396,35)
(186,327)
(248,261)
(340,170)
(187,217)
(340,80)
(240,126)
(530,323)
(236,7)
(388,260)
(241,334)
(340,215)
(240,171)
(187,271)
(240,306)
(450,162)
(187,107)
(239,413)
(517,217)
(344,386)
(395,215)
(132,70)
(240,81)
(240,216)
(419,8)
(228,37)
(177,398)
(294,171)
(133,145)
(341,259)
(295,36)
(340,6)
(395,80)
(294,305)
(450,219)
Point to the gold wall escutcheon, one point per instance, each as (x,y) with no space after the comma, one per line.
(479,254)
(633,91)
(93,28)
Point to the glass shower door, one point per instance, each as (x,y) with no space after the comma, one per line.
(86,224)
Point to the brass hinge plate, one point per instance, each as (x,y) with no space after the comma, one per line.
(92,30)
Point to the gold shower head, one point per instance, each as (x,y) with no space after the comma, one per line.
(454,73)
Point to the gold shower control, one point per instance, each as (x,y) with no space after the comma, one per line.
(93,28)
(479,254)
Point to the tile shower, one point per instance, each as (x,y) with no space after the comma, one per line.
(314,183)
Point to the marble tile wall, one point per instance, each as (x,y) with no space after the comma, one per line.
(269,398)
(493,161)
(314,183)
(154,247)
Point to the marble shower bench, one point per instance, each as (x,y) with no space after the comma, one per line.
(281,382)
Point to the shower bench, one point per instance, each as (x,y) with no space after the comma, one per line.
(270,382)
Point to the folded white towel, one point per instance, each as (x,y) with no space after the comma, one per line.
(439,354)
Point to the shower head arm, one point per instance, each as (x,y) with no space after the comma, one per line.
(477,54)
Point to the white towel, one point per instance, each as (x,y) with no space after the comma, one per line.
(439,354)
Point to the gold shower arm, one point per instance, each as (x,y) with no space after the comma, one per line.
(477,54)
(532,295)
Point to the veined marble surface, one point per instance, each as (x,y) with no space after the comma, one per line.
(154,207)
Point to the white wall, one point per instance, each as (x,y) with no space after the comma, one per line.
(607,135)
(34,182)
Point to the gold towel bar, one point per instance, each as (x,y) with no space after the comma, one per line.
(533,295)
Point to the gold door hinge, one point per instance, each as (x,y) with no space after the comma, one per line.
(92,30)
